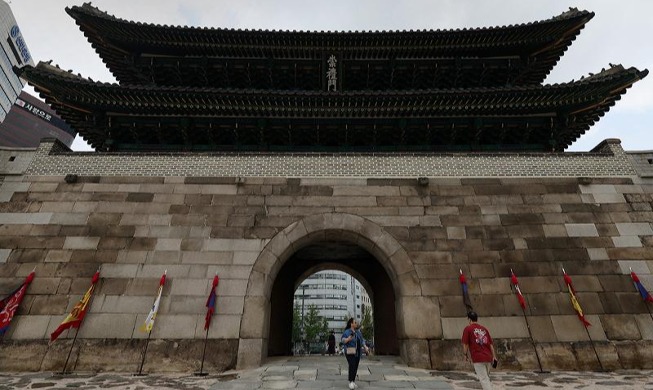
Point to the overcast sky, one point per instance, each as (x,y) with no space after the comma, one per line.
(620,33)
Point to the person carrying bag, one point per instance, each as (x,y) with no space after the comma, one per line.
(353,343)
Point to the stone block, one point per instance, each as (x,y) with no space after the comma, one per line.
(30,327)
(168,244)
(440,287)
(555,230)
(155,271)
(568,328)
(170,326)
(4,255)
(637,266)
(620,327)
(119,270)
(542,329)
(645,326)
(51,304)
(626,242)
(597,189)
(113,286)
(29,218)
(587,283)
(128,304)
(232,287)
(131,257)
(505,327)
(197,287)
(495,286)
(108,326)
(581,230)
(416,353)
(634,229)
(452,306)
(597,254)
(222,326)
(251,353)
(452,328)
(456,233)
(609,198)
(542,304)
(420,317)
(538,284)
(217,244)
(226,272)
(447,355)
(255,317)
(207,257)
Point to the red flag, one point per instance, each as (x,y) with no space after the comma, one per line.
(574,301)
(520,297)
(76,316)
(463,284)
(210,303)
(642,290)
(9,305)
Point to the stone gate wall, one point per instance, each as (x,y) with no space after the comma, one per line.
(135,216)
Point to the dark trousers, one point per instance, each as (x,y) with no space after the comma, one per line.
(353,361)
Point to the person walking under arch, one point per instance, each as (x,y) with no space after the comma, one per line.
(478,342)
(353,343)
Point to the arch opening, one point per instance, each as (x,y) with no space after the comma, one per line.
(332,255)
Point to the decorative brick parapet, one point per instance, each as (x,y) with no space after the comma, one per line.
(607,159)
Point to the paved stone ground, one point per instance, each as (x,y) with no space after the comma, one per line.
(330,373)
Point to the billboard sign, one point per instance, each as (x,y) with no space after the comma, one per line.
(19,44)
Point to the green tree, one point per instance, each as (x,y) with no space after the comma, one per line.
(367,323)
(313,324)
(296,325)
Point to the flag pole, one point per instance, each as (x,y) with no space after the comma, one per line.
(208,318)
(530,334)
(588,333)
(70,351)
(202,373)
(594,348)
(140,369)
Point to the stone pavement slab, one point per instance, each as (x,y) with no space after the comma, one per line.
(323,372)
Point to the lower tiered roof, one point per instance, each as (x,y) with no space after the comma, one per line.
(115,117)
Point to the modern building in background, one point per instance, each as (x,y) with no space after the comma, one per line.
(29,120)
(337,296)
(14,53)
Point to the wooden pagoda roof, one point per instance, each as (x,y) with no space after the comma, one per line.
(105,113)
(141,53)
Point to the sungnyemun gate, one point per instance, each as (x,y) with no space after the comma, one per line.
(403,158)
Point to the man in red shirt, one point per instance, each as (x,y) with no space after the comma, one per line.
(477,340)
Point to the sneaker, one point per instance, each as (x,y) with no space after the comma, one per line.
(352,385)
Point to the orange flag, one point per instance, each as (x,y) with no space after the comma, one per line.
(76,316)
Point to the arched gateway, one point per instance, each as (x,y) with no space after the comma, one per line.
(364,249)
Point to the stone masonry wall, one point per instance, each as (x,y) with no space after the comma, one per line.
(135,227)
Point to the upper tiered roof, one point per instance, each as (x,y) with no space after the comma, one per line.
(185,88)
(140,53)
(147,117)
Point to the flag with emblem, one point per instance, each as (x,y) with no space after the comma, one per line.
(9,305)
(574,300)
(76,316)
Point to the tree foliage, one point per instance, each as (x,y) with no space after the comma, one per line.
(296,324)
(367,324)
(315,326)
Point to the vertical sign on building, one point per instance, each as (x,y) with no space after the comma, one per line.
(332,74)
(19,46)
